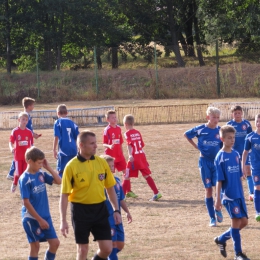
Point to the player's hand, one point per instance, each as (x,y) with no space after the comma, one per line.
(218,205)
(129,218)
(111,146)
(45,164)
(131,158)
(64,228)
(12,151)
(36,136)
(117,218)
(43,224)
(55,154)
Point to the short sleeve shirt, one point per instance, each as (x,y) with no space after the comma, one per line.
(253,142)
(209,142)
(113,135)
(134,138)
(85,180)
(229,172)
(32,187)
(242,130)
(22,140)
(29,124)
(67,131)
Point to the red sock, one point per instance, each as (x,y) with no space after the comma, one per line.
(152,185)
(126,185)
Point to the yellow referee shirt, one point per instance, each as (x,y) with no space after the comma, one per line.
(85,180)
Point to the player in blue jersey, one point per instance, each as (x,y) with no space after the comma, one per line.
(209,144)
(36,216)
(243,128)
(252,143)
(117,231)
(28,105)
(229,191)
(65,137)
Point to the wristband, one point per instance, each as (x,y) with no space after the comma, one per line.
(118,211)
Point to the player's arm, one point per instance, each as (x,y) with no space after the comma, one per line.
(42,222)
(64,227)
(130,152)
(244,157)
(191,142)
(113,200)
(55,146)
(36,136)
(56,177)
(218,191)
(11,147)
(126,210)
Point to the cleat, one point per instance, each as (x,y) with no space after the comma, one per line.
(251,197)
(219,215)
(212,222)
(156,197)
(241,256)
(13,188)
(130,194)
(257,217)
(10,177)
(222,247)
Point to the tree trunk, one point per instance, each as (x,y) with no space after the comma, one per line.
(114,57)
(188,32)
(8,39)
(99,61)
(183,44)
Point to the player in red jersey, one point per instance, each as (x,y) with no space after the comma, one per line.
(112,141)
(137,159)
(21,138)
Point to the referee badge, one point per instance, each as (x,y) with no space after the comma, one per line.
(101,176)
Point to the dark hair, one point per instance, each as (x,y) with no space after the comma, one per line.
(34,154)
(236,108)
(27,101)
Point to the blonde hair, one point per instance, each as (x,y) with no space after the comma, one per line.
(257,116)
(108,158)
(62,109)
(129,120)
(226,129)
(34,154)
(212,111)
(23,114)
(27,101)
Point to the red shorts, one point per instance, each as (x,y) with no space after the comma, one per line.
(20,167)
(134,173)
(121,165)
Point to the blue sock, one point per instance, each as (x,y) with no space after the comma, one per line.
(250,184)
(113,255)
(225,236)
(235,234)
(32,258)
(49,255)
(210,207)
(257,201)
(12,169)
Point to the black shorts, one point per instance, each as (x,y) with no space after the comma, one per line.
(88,218)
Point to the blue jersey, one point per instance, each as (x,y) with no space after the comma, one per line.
(120,196)
(253,142)
(29,124)
(32,187)
(229,171)
(242,130)
(209,142)
(67,131)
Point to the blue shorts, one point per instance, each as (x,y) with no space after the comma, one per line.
(236,208)
(256,177)
(117,233)
(62,162)
(35,233)
(207,172)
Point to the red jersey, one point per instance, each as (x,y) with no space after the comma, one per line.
(113,135)
(134,138)
(22,139)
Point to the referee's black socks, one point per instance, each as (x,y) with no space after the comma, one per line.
(96,257)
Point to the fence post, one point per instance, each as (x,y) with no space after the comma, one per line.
(217,69)
(37,73)
(156,71)
(96,73)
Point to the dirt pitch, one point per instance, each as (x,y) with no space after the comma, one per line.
(176,227)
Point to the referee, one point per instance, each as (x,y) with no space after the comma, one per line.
(84,179)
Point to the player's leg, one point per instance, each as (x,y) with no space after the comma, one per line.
(53,247)
(10,175)
(113,254)
(34,250)
(126,185)
(256,180)
(63,160)
(17,174)
(250,183)
(82,251)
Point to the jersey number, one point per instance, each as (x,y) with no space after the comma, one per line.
(69,132)
(138,147)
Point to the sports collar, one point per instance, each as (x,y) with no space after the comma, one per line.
(82,159)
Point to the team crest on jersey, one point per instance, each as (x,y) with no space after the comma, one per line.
(236,210)
(38,231)
(113,136)
(102,176)
(41,179)
(217,136)
(256,178)
(19,137)
(112,232)
(207,181)
(244,127)
(26,138)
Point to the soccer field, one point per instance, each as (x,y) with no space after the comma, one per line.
(176,227)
